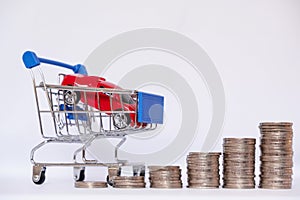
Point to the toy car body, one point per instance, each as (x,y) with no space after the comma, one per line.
(103,101)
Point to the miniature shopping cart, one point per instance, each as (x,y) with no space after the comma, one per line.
(83,108)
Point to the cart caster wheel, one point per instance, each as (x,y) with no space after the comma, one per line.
(109,181)
(142,173)
(39,176)
(79,173)
(39,180)
(112,172)
(138,170)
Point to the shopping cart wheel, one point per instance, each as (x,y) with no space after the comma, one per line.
(109,181)
(79,173)
(121,120)
(138,170)
(71,97)
(38,176)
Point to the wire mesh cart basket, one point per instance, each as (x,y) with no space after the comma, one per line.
(83,108)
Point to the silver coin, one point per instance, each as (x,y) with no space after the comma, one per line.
(155,168)
(166,186)
(129,178)
(276,123)
(130,186)
(200,186)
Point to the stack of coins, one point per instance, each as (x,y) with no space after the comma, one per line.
(129,182)
(203,170)
(239,163)
(276,158)
(165,177)
(90,184)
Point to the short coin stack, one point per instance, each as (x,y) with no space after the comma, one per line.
(129,182)
(203,170)
(239,163)
(165,177)
(90,184)
(276,158)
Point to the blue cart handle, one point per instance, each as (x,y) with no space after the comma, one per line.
(31,60)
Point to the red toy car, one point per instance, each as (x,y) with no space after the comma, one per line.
(110,101)
(103,101)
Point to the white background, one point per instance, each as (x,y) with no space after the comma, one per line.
(255,46)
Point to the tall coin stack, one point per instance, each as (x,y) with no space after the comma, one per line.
(239,163)
(203,170)
(165,177)
(276,158)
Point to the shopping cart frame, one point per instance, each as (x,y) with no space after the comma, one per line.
(66,116)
